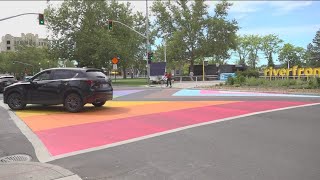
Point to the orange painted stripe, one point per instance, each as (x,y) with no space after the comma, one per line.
(49,121)
(36,111)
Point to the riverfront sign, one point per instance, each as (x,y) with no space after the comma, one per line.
(294,71)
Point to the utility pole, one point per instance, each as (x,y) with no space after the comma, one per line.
(148,43)
(165,54)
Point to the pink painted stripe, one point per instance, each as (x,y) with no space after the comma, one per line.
(256,106)
(73,138)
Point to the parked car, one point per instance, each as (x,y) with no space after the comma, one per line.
(72,87)
(6,80)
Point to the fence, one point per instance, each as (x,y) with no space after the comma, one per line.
(195,78)
(289,77)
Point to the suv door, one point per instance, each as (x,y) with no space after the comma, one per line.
(43,89)
(63,77)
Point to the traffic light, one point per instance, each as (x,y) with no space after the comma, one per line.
(110,24)
(41,19)
(150,57)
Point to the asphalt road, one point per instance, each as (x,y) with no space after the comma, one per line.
(280,145)
(270,146)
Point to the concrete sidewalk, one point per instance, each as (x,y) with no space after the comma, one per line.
(34,171)
(16,153)
(189,84)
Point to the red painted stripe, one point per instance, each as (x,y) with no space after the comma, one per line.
(74,138)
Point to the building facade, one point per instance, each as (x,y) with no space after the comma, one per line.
(11,43)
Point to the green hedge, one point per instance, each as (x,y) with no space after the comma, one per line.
(312,83)
(248,73)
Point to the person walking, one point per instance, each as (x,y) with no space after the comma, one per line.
(169,77)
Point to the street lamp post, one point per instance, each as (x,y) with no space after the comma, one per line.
(203,69)
(148,43)
(165,49)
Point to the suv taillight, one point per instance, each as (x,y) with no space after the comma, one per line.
(90,82)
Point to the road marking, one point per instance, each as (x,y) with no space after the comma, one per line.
(113,110)
(166,132)
(41,151)
(219,93)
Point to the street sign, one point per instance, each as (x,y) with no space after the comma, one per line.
(114,66)
(148,47)
(115,60)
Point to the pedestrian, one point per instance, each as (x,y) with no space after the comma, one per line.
(169,78)
(191,76)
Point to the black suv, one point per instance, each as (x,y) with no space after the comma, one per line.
(72,87)
(6,80)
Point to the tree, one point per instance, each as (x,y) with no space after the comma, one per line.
(29,60)
(270,45)
(242,49)
(80,32)
(254,47)
(221,35)
(313,51)
(291,55)
(192,32)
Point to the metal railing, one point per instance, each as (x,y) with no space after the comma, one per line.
(196,78)
(289,77)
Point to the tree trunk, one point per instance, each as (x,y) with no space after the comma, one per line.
(191,64)
(191,61)
(124,72)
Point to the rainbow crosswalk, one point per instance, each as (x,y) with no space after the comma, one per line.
(62,132)
(193,92)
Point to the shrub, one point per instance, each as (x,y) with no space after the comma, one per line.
(248,73)
(318,81)
(285,82)
(255,81)
(313,83)
(230,81)
(239,80)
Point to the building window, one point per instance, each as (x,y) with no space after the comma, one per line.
(9,48)
(8,42)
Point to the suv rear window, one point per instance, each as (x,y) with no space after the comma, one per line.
(95,74)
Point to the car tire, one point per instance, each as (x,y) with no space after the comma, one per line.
(99,104)
(73,102)
(15,101)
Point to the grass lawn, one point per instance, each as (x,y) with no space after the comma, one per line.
(130,82)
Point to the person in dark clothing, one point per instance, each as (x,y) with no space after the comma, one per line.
(169,78)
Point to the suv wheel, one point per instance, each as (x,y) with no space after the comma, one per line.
(73,102)
(15,101)
(99,104)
